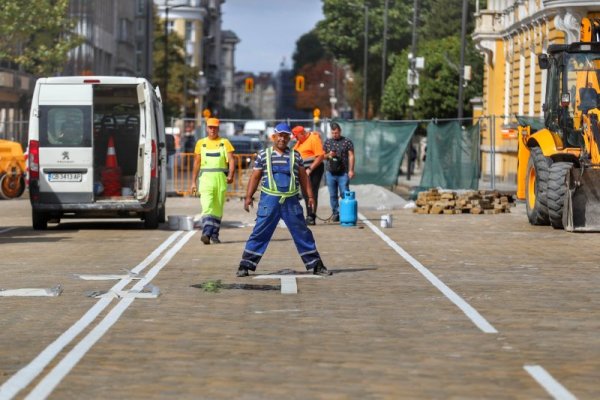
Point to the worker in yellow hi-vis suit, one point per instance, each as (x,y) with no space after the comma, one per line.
(214,160)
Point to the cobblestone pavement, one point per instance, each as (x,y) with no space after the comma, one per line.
(378,328)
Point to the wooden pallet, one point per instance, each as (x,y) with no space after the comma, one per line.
(472,202)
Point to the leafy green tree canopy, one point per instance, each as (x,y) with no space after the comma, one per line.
(181,77)
(36,35)
(438,82)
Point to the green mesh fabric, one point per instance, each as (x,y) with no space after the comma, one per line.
(378,149)
(452,158)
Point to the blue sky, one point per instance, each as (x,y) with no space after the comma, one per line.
(268,30)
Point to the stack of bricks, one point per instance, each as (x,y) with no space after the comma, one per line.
(472,202)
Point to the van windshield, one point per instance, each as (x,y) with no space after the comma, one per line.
(65,126)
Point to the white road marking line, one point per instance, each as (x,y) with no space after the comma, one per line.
(288,282)
(27,374)
(7,229)
(54,377)
(551,385)
(32,292)
(288,285)
(108,277)
(465,307)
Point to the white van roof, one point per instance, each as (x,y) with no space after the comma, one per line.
(110,80)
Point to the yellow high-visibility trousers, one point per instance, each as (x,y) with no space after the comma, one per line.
(212,187)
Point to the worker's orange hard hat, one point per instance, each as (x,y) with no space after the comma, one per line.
(212,122)
(297,130)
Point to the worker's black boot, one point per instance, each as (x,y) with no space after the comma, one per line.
(215,240)
(320,269)
(205,239)
(242,272)
(310,220)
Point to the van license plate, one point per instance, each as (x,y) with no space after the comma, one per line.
(64,177)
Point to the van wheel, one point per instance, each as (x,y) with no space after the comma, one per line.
(40,220)
(151,219)
(162,218)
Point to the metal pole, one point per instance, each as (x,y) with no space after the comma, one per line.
(365,62)
(463,34)
(384,52)
(412,65)
(493,154)
(166,54)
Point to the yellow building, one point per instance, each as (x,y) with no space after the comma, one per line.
(510,34)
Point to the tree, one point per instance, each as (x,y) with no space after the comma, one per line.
(342,34)
(438,82)
(317,85)
(182,77)
(37,35)
(309,50)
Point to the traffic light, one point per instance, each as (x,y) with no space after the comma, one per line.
(316,114)
(249,85)
(299,83)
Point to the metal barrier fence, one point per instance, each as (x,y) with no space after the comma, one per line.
(183,167)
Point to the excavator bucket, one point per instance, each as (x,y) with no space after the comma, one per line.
(581,211)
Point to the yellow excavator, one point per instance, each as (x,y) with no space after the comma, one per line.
(559,163)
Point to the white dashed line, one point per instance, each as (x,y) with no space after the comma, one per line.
(551,385)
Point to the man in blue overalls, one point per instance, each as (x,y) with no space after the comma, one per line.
(280,170)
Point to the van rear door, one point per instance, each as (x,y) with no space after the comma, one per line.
(144,153)
(65,139)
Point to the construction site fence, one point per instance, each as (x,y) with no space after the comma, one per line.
(448,150)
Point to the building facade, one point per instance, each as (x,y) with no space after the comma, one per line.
(510,34)
(112,31)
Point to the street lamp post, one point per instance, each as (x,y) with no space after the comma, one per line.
(384,52)
(365,62)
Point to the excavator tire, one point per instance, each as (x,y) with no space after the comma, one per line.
(557,189)
(536,188)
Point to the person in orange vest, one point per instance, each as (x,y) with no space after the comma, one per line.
(310,147)
(214,160)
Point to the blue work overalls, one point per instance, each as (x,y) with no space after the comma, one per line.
(282,202)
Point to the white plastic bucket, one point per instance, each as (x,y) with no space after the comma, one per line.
(386,221)
(173,222)
(186,223)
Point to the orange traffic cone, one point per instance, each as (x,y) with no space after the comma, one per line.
(111,154)
(111,175)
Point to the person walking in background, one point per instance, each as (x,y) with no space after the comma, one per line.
(280,170)
(339,155)
(310,147)
(214,160)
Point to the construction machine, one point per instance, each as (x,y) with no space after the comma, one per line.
(559,162)
(12,169)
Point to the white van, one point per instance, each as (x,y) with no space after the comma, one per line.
(72,121)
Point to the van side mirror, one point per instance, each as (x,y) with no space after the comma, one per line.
(543,61)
